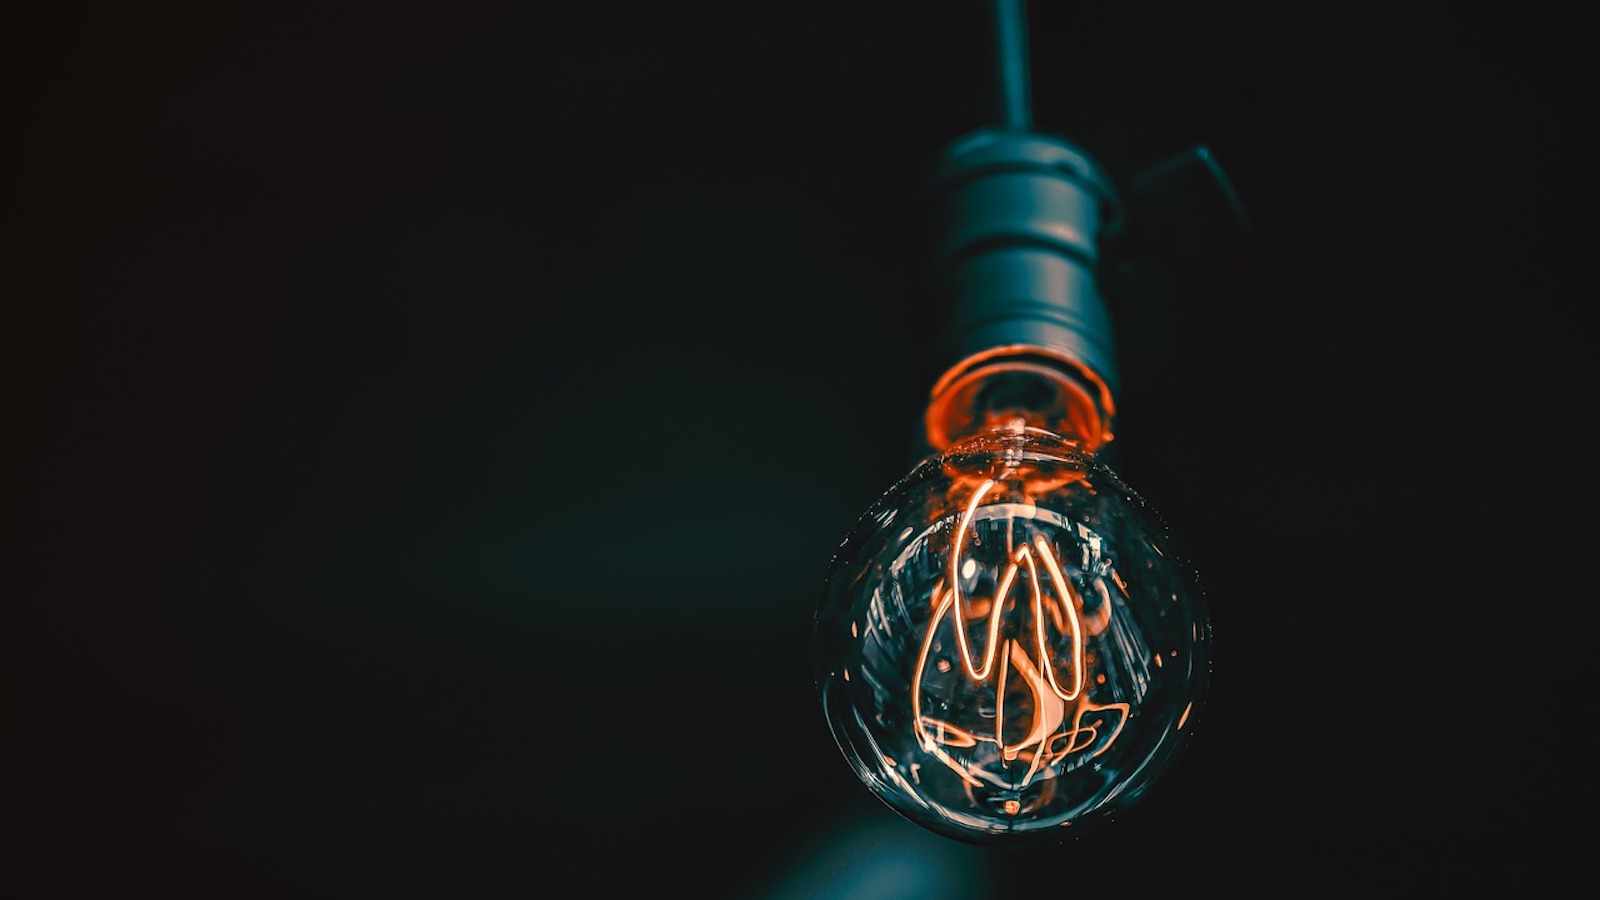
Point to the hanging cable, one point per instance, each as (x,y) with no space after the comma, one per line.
(1011,57)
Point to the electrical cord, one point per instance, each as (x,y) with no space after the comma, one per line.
(1011,57)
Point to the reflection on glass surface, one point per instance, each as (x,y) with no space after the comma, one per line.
(1010,644)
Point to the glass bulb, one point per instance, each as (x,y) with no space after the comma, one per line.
(1010,645)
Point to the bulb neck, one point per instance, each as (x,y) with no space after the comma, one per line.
(1021,330)
(1020,385)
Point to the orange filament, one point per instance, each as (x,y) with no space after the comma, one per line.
(1058,721)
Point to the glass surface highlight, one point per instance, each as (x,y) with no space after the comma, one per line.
(1010,645)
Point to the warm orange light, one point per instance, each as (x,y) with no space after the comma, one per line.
(1056,724)
(1079,401)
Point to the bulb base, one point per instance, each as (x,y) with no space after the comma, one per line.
(1023,384)
(1016,220)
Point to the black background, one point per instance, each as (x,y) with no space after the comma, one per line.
(430,424)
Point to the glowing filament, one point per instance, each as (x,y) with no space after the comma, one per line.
(1057,720)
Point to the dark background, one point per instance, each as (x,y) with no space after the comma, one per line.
(430,424)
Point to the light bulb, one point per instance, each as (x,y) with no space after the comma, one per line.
(1011,646)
